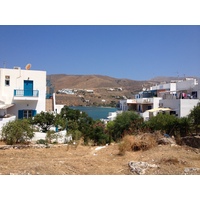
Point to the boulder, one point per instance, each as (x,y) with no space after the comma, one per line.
(140,167)
(166,140)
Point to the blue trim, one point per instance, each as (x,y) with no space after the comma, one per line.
(20,114)
(34,112)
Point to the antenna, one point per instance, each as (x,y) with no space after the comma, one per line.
(177,75)
(4,64)
(28,66)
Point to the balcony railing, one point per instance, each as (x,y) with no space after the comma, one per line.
(26,93)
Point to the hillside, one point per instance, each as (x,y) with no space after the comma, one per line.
(91,82)
(105,89)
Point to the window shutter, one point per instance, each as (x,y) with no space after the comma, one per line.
(34,112)
(20,114)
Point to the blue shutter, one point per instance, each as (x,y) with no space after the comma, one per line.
(20,114)
(34,112)
(56,129)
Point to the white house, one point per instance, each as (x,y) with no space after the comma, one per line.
(178,96)
(22,93)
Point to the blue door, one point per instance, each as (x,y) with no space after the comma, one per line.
(28,88)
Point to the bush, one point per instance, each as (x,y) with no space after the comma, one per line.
(126,144)
(195,118)
(76,134)
(128,121)
(41,141)
(144,142)
(51,136)
(137,143)
(165,123)
(18,131)
(99,135)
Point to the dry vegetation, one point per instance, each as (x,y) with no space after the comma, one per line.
(137,143)
(110,160)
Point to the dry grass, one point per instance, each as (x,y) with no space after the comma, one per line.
(170,161)
(87,160)
(137,142)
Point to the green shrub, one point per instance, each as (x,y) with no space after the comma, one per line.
(126,122)
(41,141)
(18,131)
(51,135)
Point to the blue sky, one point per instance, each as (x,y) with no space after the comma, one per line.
(137,52)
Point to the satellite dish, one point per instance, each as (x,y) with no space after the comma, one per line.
(28,66)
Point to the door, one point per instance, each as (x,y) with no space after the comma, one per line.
(28,88)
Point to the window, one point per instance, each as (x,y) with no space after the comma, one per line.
(7,80)
(26,114)
(149,107)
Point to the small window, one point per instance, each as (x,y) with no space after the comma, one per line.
(7,80)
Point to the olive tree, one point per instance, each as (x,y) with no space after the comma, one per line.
(44,120)
(78,123)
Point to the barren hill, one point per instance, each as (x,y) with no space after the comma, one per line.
(101,86)
(91,82)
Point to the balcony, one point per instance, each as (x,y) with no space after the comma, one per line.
(26,94)
(143,101)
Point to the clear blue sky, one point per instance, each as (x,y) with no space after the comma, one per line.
(133,52)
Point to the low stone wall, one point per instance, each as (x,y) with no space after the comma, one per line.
(31,146)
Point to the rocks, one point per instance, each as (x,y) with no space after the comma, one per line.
(191,170)
(4,147)
(140,167)
(192,141)
(34,146)
(166,140)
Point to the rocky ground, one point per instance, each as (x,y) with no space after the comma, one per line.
(92,160)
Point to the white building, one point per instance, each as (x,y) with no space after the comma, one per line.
(112,115)
(180,107)
(22,93)
(180,96)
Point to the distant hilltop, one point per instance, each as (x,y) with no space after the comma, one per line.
(91,82)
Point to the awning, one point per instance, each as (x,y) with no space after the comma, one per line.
(5,106)
(159,109)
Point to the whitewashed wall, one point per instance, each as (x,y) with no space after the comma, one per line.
(186,85)
(181,106)
(186,105)
(17,77)
(166,86)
